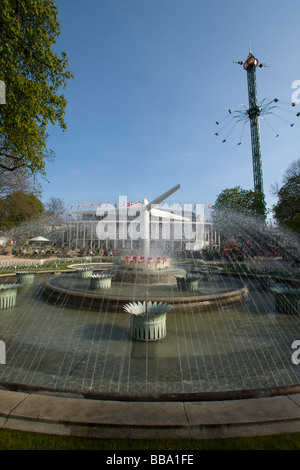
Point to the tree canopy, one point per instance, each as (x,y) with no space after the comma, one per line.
(17,208)
(287,208)
(242,201)
(34,78)
(237,212)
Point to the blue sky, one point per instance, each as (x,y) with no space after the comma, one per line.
(151,77)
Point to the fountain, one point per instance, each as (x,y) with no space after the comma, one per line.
(162,283)
(142,278)
(225,332)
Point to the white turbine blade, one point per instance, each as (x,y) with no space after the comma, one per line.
(161,198)
(167,215)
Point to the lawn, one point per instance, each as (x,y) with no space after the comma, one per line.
(19,440)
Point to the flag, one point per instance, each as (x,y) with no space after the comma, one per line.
(78,206)
(209,206)
(92,205)
(129,203)
(138,203)
(100,204)
(116,205)
(72,206)
(84,204)
(122,203)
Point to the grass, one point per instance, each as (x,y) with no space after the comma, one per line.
(20,440)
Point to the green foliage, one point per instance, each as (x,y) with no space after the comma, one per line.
(239,213)
(242,201)
(17,208)
(287,209)
(33,75)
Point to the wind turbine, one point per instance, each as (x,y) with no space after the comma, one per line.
(148,208)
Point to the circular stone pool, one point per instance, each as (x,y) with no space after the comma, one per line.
(225,348)
(213,293)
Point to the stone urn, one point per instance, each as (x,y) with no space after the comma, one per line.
(24,277)
(100,281)
(187,282)
(148,320)
(8,295)
(84,273)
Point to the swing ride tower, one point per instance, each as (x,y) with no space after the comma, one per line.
(253,112)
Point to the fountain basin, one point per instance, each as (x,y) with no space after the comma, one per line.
(69,291)
(166,276)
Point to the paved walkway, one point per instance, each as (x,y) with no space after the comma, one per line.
(76,416)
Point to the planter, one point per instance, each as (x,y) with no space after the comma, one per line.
(84,273)
(8,295)
(100,281)
(24,277)
(148,320)
(287,300)
(187,282)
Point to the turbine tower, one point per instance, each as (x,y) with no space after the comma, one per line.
(250,65)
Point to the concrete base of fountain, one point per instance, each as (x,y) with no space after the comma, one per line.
(135,270)
(166,276)
(70,291)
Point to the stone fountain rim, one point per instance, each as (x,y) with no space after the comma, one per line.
(242,290)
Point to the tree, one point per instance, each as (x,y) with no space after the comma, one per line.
(240,200)
(55,208)
(55,212)
(17,208)
(15,181)
(287,209)
(34,77)
(238,213)
(292,170)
